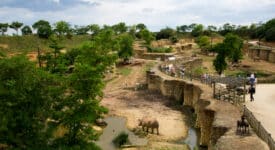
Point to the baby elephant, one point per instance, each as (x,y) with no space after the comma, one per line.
(147,123)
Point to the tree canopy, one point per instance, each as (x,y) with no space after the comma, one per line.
(44,29)
(4,28)
(26,30)
(16,25)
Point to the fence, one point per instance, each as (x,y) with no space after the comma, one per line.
(258,128)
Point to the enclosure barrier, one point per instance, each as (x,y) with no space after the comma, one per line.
(258,128)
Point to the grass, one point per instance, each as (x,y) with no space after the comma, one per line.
(125,71)
(148,66)
(31,43)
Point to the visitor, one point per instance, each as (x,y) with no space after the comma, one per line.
(182,70)
(251,91)
(252,79)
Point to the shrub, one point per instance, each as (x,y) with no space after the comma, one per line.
(121,139)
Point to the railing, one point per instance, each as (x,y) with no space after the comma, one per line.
(258,128)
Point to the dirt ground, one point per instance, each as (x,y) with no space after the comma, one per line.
(123,100)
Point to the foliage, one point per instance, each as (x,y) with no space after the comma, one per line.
(126,47)
(121,139)
(4,27)
(26,94)
(94,29)
(141,27)
(26,30)
(31,43)
(81,30)
(233,44)
(44,29)
(16,25)
(182,28)
(174,39)
(220,63)
(204,43)
(120,28)
(62,28)
(197,30)
(165,33)
(270,34)
(147,36)
(124,71)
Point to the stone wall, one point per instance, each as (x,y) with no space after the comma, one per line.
(259,129)
(187,94)
(266,54)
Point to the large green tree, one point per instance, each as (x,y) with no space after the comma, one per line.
(26,94)
(147,36)
(4,28)
(197,30)
(234,45)
(44,29)
(126,47)
(26,30)
(62,28)
(16,25)
(204,43)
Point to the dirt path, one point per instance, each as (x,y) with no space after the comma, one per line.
(263,106)
(124,101)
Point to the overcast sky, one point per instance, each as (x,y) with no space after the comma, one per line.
(155,14)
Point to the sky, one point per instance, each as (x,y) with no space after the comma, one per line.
(155,14)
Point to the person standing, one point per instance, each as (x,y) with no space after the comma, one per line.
(251,92)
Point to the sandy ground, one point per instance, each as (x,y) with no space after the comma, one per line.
(124,101)
(263,106)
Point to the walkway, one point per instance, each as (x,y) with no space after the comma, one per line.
(263,107)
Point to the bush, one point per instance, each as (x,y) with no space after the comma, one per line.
(121,139)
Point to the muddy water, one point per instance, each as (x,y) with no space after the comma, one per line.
(115,126)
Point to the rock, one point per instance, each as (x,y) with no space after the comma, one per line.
(100,122)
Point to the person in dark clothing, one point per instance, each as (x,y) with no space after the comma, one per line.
(251,92)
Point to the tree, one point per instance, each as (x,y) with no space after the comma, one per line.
(44,29)
(270,34)
(16,25)
(147,36)
(26,30)
(165,33)
(141,26)
(204,43)
(94,29)
(61,28)
(4,27)
(126,47)
(120,28)
(182,28)
(220,63)
(26,95)
(197,30)
(81,30)
(233,44)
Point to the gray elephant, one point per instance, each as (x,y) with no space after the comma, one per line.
(147,123)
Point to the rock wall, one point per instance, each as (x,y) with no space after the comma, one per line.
(187,94)
(216,119)
(267,54)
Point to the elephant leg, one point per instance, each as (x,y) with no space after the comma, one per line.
(158,131)
(152,130)
(147,129)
